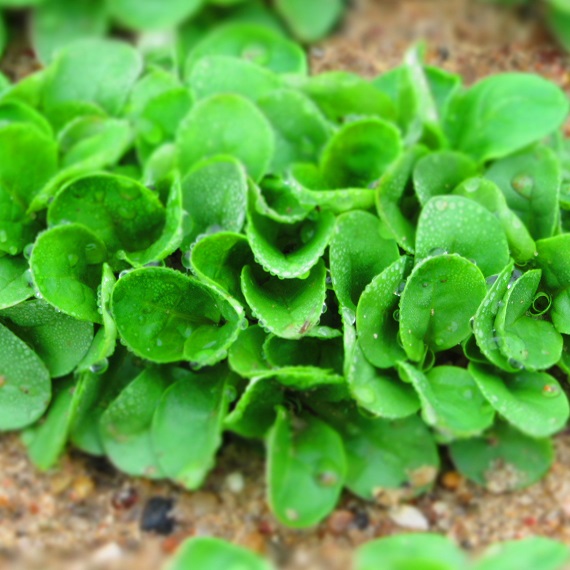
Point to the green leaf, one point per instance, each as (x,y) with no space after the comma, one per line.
(15,286)
(125,426)
(45,441)
(380,393)
(208,553)
(311,193)
(560,311)
(289,250)
(103,345)
(359,153)
(440,297)
(67,264)
(255,412)
(528,342)
(121,212)
(187,425)
(95,71)
(305,469)
(153,14)
(395,198)
(235,127)
(164,316)
(25,148)
(488,194)
(505,113)
(214,195)
(526,554)
(451,400)
(88,144)
(384,455)
(376,316)
(252,42)
(96,388)
(25,387)
(553,257)
(325,354)
(484,319)
(300,129)
(358,252)
(58,23)
(455,224)
(341,95)
(532,401)
(530,181)
(59,340)
(218,259)
(288,308)
(503,460)
(410,552)
(312,21)
(440,172)
(171,236)
(214,74)
(246,356)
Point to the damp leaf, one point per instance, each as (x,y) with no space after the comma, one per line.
(358,253)
(187,424)
(25,386)
(359,153)
(289,308)
(67,265)
(226,124)
(175,317)
(533,402)
(458,225)
(504,113)
(441,295)
(306,467)
(504,459)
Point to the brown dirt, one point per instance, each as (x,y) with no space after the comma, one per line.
(85,515)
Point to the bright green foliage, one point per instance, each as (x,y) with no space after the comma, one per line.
(306,467)
(196,238)
(407,552)
(213,554)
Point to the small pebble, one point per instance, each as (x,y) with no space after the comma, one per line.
(82,488)
(107,554)
(156,516)
(235,482)
(407,516)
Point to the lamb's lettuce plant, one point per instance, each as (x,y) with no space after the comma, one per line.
(353,272)
(400,552)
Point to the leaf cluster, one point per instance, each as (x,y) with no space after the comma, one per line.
(165,29)
(401,552)
(353,272)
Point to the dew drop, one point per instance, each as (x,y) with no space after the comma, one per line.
(99,367)
(400,289)
(28,250)
(3,236)
(437,251)
(516,363)
(472,185)
(396,315)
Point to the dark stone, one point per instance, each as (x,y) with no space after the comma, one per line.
(156,516)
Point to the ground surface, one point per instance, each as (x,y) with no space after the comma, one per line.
(85,515)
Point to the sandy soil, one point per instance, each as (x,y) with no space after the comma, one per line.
(85,515)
